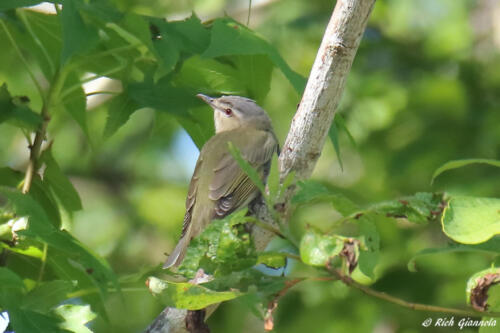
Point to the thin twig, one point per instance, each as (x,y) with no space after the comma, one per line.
(398,301)
(41,132)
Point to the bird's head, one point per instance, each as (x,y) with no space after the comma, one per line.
(232,112)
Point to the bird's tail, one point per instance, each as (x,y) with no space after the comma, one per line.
(176,257)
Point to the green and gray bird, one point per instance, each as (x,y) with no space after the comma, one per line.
(219,186)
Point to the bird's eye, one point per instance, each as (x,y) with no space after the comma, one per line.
(228,112)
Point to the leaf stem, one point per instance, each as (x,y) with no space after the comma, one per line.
(398,301)
(23,59)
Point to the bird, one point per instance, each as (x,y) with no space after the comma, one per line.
(219,186)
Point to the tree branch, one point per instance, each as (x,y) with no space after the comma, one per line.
(310,124)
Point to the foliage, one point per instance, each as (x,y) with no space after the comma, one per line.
(105,202)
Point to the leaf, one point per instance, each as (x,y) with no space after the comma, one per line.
(478,286)
(119,111)
(60,184)
(272,259)
(490,246)
(334,138)
(471,220)
(224,246)
(10,177)
(75,317)
(460,163)
(341,125)
(10,280)
(312,190)
(47,295)
(77,36)
(419,208)
(370,248)
(75,254)
(316,249)
(16,112)
(228,37)
(28,321)
(247,168)
(184,295)
(75,102)
(178,39)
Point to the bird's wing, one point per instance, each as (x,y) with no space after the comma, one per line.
(230,186)
(191,196)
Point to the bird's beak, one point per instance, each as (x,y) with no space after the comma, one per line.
(207,99)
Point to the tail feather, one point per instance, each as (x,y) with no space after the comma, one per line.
(176,257)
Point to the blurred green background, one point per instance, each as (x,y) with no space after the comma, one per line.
(424,89)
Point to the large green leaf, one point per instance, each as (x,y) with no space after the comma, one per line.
(28,321)
(471,220)
(60,184)
(228,37)
(77,36)
(184,295)
(461,163)
(75,254)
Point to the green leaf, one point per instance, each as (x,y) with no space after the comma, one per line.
(311,190)
(490,246)
(178,39)
(211,76)
(460,163)
(247,168)
(228,37)
(419,208)
(224,246)
(10,280)
(75,102)
(119,111)
(75,254)
(28,321)
(10,177)
(334,138)
(60,184)
(369,250)
(75,317)
(341,125)
(47,295)
(316,249)
(14,111)
(77,36)
(471,220)
(272,259)
(186,295)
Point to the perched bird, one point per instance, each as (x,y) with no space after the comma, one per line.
(218,185)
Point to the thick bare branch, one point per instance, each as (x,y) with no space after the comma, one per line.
(323,92)
(311,122)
